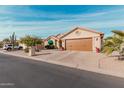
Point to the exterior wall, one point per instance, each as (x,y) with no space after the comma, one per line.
(63,43)
(80,34)
(23,45)
(45,43)
(58,44)
(97,43)
(84,34)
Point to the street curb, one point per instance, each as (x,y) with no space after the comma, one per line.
(86,68)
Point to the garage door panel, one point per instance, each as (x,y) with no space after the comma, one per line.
(79,44)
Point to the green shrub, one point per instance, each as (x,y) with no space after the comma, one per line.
(50,42)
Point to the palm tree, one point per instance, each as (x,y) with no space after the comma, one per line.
(118,32)
(13,40)
(114,43)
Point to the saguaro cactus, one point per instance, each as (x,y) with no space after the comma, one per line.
(13,40)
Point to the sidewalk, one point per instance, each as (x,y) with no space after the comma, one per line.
(80,60)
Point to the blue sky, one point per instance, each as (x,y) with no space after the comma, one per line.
(43,21)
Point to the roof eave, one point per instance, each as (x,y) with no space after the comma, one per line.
(93,31)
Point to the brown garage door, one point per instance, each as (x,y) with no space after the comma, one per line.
(84,44)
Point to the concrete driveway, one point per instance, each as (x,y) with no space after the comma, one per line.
(72,57)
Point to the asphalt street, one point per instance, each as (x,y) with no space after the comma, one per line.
(25,73)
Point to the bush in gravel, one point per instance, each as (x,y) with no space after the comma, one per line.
(50,47)
(26,50)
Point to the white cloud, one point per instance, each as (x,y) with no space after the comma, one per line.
(63,22)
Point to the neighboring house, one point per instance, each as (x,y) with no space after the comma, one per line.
(82,39)
(23,45)
(54,39)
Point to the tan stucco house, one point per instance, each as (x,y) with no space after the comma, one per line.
(55,40)
(82,39)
